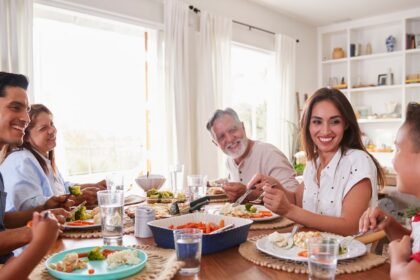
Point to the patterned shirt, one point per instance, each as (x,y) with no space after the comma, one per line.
(336,180)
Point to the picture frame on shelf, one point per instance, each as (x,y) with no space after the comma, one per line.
(382,79)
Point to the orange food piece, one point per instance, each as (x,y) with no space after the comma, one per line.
(205,227)
(91,271)
(303,253)
(80,223)
(29,224)
(82,255)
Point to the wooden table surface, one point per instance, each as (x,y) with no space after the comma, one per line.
(228,264)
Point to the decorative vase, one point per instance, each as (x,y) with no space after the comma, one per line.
(390,43)
(338,53)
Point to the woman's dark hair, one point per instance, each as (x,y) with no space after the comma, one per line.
(412,119)
(352,138)
(36,110)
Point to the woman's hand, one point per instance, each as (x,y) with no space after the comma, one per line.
(374,219)
(90,195)
(276,200)
(259,180)
(61,214)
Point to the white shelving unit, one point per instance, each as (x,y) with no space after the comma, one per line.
(381,108)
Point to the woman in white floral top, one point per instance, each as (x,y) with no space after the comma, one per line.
(340,179)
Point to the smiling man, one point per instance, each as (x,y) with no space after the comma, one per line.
(247,157)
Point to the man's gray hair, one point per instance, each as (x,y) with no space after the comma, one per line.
(220,113)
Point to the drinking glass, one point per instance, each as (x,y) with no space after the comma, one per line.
(197,186)
(111,204)
(115,181)
(177,177)
(188,249)
(322,258)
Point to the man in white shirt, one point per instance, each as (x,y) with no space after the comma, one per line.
(247,157)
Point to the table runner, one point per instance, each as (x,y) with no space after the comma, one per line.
(161,265)
(249,251)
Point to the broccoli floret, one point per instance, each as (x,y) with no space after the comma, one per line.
(75,190)
(152,192)
(82,214)
(95,254)
(250,208)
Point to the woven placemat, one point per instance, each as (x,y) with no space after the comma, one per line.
(161,265)
(97,232)
(273,224)
(249,251)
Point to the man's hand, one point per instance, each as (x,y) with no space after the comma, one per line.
(60,214)
(89,194)
(59,201)
(234,190)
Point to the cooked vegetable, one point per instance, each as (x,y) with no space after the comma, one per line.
(75,190)
(82,214)
(342,249)
(205,227)
(250,208)
(95,254)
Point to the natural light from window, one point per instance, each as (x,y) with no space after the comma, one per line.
(91,73)
(252,84)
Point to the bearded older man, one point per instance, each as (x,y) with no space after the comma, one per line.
(247,157)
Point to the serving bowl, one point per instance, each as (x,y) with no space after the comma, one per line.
(212,243)
(148,182)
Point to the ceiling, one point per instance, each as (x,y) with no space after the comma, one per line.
(324,12)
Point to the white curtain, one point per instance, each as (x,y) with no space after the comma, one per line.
(180,123)
(214,75)
(16,36)
(282,112)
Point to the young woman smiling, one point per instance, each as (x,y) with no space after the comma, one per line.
(340,179)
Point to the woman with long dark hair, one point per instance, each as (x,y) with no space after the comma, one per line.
(340,179)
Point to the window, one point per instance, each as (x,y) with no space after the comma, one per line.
(97,77)
(252,84)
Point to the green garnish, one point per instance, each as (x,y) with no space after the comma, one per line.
(96,254)
(249,207)
(75,190)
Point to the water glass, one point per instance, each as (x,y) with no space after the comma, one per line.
(177,177)
(197,186)
(322,258)
(115,181)
(188,243)
(111,204)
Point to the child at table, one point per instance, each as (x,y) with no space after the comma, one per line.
(44,233)
(404,254)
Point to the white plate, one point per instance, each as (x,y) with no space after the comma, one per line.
(354,249)
(67,226)
(259,208)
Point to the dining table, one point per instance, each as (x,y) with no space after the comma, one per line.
(227,264)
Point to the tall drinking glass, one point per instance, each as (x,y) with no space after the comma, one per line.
(177,177)
(111,204)
(322,258)
(188,243)
(197,186)
(115,181)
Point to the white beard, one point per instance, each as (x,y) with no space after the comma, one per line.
(242,149)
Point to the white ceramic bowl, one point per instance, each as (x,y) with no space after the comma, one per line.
(149,182)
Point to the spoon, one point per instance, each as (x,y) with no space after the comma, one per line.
(226,227)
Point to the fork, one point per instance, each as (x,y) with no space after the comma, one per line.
(242,197)
(259,199)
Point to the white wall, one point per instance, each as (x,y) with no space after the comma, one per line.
(151,11)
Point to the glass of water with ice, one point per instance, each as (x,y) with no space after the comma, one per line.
(188,243)
(197,186)
(111,204)
(322,257)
